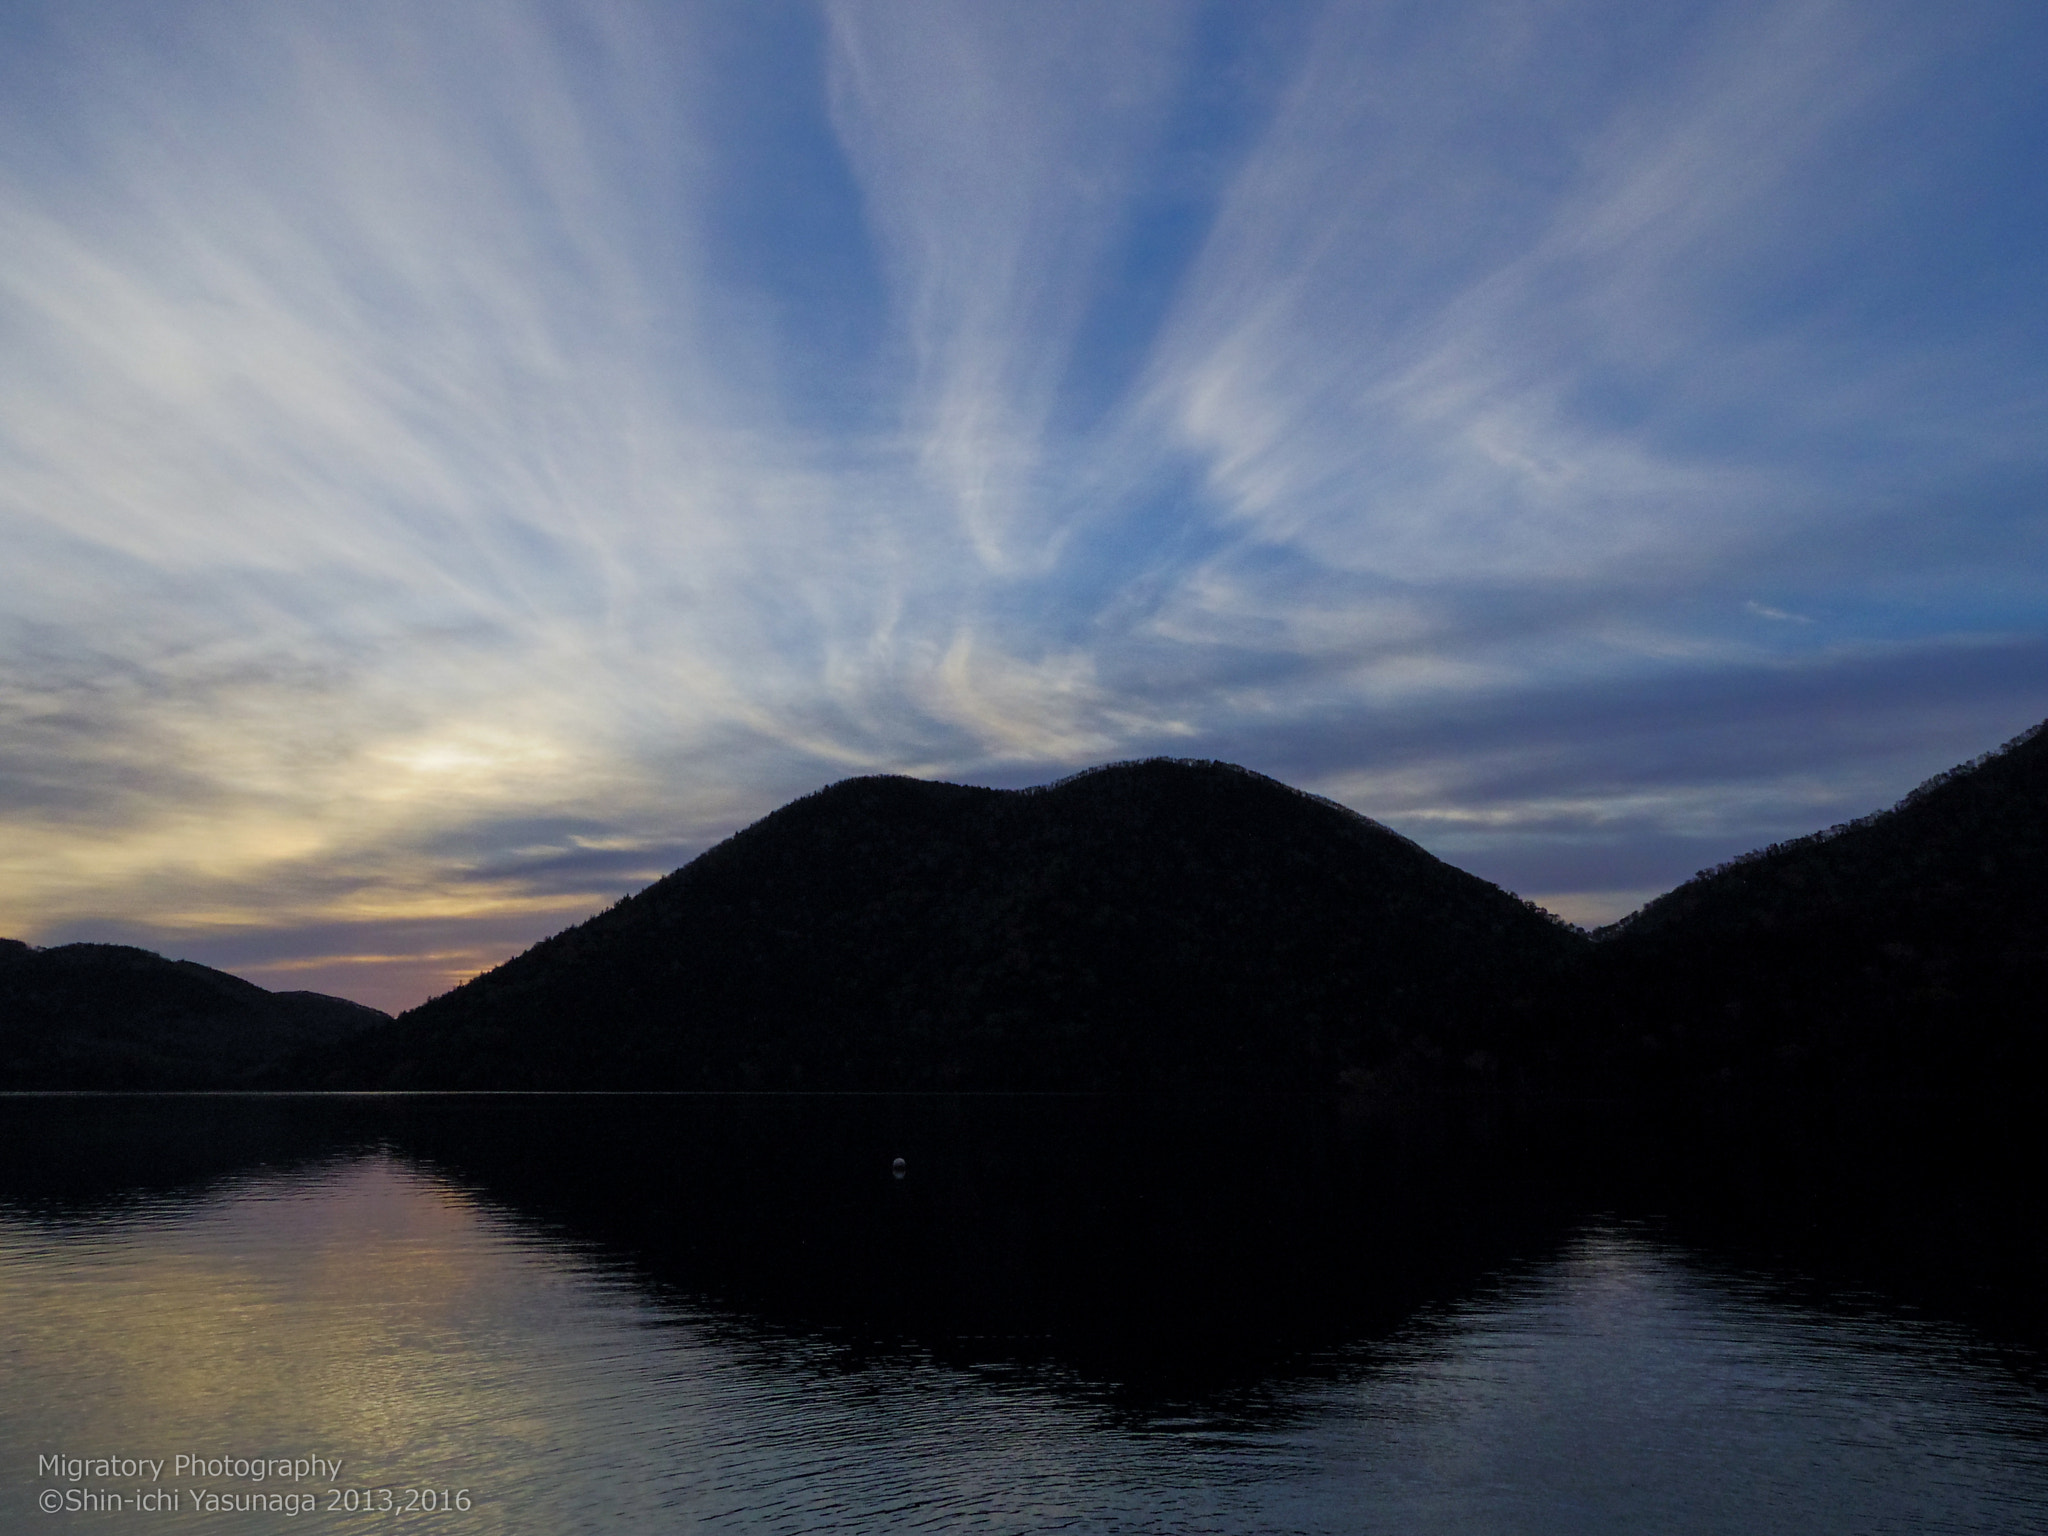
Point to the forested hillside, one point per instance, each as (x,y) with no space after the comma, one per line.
(1905,950)
(1154,924)
(113,1016)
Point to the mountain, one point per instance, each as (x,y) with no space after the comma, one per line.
(112,1016)
(1153,924)
(1163,924)
(1906,950)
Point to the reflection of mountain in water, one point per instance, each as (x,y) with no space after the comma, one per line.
(1111,1231)
(1093,1229)
(1069,1313)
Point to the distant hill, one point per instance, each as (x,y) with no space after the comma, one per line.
(1151,924)
(1161,925)
(1908,949)
(112,1016)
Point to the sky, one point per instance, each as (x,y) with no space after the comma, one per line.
(458,462)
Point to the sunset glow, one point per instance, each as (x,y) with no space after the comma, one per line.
(458,463)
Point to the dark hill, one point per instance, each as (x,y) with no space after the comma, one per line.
(1905,950)
(111,1016)
(1153,924)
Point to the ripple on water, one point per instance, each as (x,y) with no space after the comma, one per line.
(370,1310)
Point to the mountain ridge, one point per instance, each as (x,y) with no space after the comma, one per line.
(1909,945)
(1111,929)
(1177,923)
(114,1016)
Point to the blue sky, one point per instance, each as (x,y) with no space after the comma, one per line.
(459,461)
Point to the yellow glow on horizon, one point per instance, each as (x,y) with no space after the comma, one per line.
(317,962)
(352,835)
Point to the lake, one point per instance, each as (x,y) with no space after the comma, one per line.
(661,1313)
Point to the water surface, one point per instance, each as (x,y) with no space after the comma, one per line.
(729,1315)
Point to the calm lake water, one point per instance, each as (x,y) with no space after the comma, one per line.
(664,1314)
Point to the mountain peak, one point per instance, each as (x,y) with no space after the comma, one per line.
(1146,924)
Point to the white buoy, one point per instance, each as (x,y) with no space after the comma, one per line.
(896,1168)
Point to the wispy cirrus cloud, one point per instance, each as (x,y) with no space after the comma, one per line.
(996,219)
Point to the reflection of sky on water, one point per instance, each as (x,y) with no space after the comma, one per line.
(1642,1393)
(369,1312)
(365,1313)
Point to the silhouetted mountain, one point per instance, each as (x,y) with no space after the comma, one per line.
(1908,949)
(1153,924)
(1162,925)
(111,1016)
